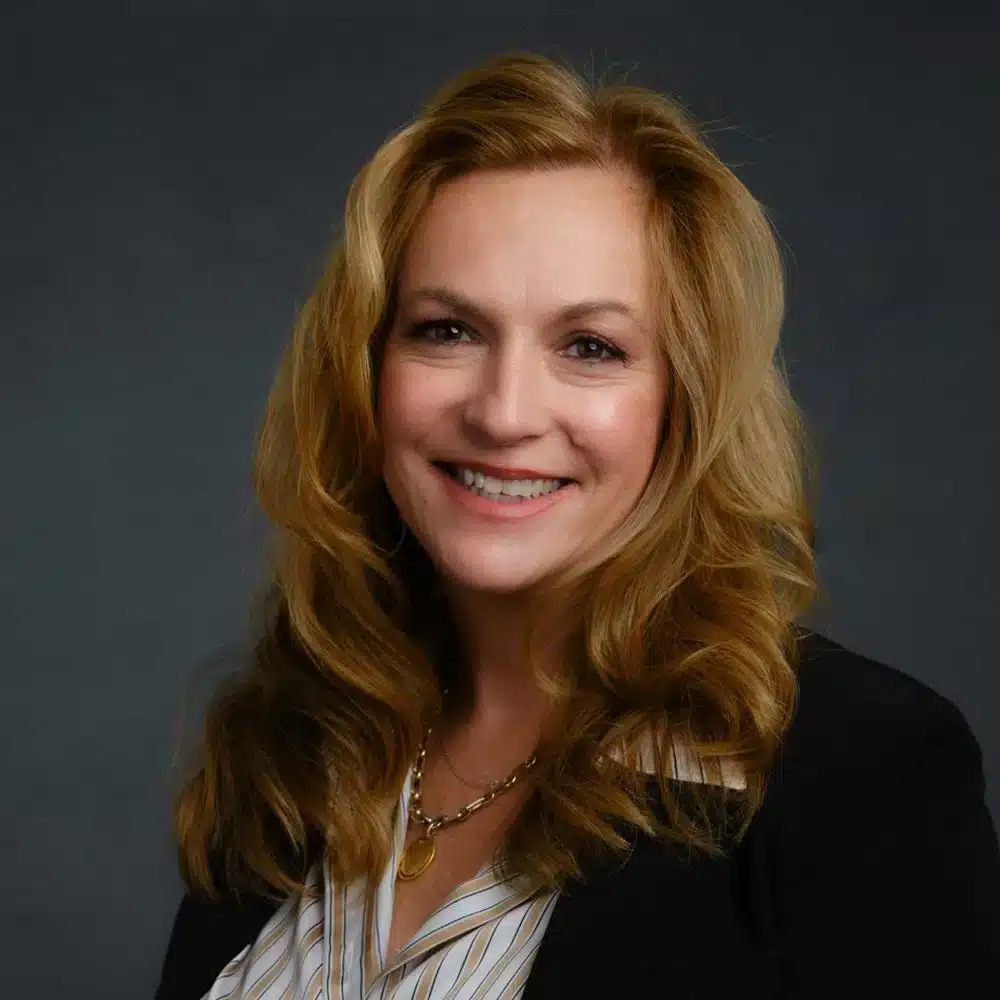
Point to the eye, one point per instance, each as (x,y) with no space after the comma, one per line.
(448,332)
(425,331)
(594,346)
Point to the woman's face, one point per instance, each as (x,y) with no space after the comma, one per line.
(522,388)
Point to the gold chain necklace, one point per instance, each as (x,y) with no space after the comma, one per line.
(481,787)
(417,857)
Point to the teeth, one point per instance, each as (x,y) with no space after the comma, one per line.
(490,485)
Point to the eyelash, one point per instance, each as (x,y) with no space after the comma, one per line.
(419,331)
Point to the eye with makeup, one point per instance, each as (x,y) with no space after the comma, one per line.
(611,352)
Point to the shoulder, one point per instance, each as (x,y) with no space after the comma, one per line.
(854,712)
(874,851)
(856,717)
(204,937)
(868,744)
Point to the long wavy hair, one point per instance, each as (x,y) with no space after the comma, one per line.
(681,626)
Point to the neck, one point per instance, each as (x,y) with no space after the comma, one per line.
(503,700)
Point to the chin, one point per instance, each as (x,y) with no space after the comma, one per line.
(488,573)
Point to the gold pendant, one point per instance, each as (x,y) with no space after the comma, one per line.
(417,858)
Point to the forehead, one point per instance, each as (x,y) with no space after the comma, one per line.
(519,239)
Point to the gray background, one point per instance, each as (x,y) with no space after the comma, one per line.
(169,185)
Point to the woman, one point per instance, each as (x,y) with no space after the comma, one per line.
(530,713)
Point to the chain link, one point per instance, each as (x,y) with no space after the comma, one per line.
(435,823)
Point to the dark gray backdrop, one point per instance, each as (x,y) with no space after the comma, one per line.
(169,187)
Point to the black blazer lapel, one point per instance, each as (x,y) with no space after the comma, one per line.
(663,916)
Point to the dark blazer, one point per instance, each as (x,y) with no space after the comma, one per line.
(871,870)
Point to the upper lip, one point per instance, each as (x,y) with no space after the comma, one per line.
(500,472)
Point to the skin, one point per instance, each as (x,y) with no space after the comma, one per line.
(511,384)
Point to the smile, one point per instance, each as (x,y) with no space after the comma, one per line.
(501,498)
(509,490)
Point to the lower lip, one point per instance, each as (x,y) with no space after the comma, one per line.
(500,510)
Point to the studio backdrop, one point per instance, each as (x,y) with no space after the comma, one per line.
(170,184)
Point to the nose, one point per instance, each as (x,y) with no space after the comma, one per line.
(506,400)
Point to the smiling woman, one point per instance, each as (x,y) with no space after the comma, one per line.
(530,711)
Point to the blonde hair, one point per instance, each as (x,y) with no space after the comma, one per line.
(683,627)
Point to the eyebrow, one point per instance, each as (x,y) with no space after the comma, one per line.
(576,310)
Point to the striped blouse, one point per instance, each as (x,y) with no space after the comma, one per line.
(330,942)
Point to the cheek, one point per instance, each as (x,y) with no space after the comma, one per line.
(621,433)
(413,404)
(400,409)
